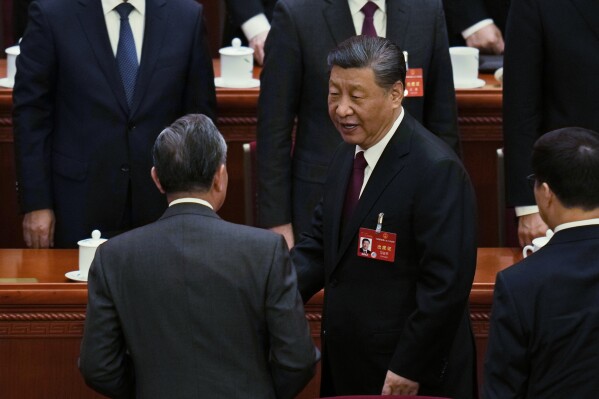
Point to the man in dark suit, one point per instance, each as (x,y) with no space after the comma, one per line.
(550,81)
(477,23)
(396,322)
(83,129)
(294,83)
(543,334)
(248,20)
(191,306)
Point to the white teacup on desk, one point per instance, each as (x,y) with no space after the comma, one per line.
(11,67)
(236,67)
(464,63)
(537,243)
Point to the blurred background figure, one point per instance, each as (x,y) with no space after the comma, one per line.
(477,23)
(550,81)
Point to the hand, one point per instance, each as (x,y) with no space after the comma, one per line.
(398,385)
(529,227)
(257,43)
(38,228)
(487,39)
(286,230)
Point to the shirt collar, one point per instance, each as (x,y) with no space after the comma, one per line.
(373,154)
(109,5)
(578,223)
(192,200)
(356,5)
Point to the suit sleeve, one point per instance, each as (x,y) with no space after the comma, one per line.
(242,10)
(440,109)
(200,95)
(103,361)
(445,233)
(522,97)
(506,364)
(280,89)
(33,113)
(462,14)
(308,258)
(293,356)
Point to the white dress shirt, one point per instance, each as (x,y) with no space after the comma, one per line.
(569,225)
(373,154)
(136,20)
(380,16)
(192,200)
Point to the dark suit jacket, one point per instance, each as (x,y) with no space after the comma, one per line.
(192,306)
(294,82)
(409,316)
(545,322)
(462,14)
(79,148)
(550,79)
(238,12)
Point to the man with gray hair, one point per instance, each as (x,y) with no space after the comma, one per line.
(395,322)
(191,306)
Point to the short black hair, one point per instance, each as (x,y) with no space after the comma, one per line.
(188,153)
(365,239)
(382,55)
(567,160)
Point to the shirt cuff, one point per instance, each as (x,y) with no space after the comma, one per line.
(479,25)
(526,210)
(255,25)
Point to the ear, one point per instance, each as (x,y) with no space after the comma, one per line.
(156,180)
(545,195)
(397,94)
(221,179)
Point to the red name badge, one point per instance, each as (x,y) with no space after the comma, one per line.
(378,246)
(414,82)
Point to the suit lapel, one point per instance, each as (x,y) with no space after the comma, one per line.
(154,33)
(398,19)
(93,23)
(339,20)
(589,11)
(391,162)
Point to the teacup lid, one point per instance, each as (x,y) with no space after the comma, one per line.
(94,241)
(14,50)
(236,49)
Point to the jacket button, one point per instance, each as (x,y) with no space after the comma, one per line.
(125,167)
(334,282)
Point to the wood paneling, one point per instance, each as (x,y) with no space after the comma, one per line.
(41,323)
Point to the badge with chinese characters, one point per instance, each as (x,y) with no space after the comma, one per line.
(377,244)
(414,83)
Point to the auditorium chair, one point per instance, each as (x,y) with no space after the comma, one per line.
(383,397)
(249,183)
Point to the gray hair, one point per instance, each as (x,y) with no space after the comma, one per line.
(188,153)
(383,56)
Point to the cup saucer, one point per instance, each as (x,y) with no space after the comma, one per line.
(6,82)
(469,84)
(75,276)
(245,84)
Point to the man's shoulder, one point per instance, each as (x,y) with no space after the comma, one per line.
(424,143)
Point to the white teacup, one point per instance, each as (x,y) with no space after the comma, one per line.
(236,64)
(11,66)
(537,244)
(87,251)
(464,63)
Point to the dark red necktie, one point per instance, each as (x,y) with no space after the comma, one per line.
(368,25)
(354,187)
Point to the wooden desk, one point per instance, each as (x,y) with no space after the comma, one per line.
(480,123)
(41,321)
